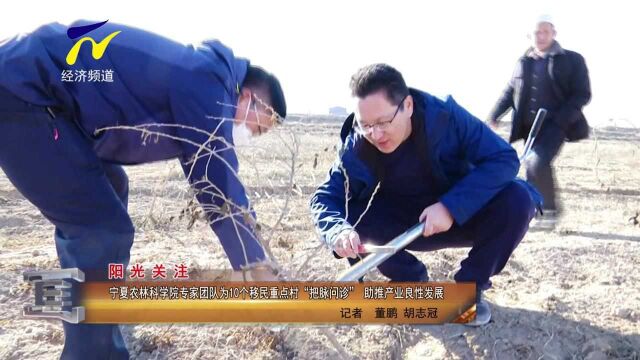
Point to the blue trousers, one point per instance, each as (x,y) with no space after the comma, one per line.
(85,198)
(493,234)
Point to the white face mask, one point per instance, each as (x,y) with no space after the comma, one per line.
(241,134)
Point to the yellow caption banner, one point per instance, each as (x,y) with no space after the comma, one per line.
(277,302)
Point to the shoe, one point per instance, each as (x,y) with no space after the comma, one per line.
(483,311)
(547,220)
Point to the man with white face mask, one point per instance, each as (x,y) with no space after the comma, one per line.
(258,118)
(254,116)
(71,171)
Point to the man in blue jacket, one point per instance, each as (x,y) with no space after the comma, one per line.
(53,152)
(435,163)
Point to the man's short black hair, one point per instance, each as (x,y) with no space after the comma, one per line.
(373,78)
(258,78)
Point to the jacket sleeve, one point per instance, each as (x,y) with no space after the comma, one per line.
(328,204)
(211,165)
(579,93)
(504,103)
(494,164)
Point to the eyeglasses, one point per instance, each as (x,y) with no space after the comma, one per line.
(367,129)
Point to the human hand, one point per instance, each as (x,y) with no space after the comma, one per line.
(436,219)
(348,244)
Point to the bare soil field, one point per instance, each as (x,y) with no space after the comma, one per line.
(572,293)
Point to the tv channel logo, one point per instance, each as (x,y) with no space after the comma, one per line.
(97,48)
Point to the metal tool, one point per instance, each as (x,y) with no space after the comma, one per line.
(370,248)
(376,258)
(533,133)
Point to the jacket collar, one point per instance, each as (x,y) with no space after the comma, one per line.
(347,127)
(436,117)
(554,50)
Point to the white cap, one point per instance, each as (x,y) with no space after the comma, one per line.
(546,18)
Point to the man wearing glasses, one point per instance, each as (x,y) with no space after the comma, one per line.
(435,163)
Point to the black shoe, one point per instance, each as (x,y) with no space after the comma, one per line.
(483,311)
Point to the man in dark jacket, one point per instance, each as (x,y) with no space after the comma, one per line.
(435,163)
(52,151)
(556,79)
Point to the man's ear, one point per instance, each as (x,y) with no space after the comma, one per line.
(408,105)
(244,99)
(245,95)
(243,103)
